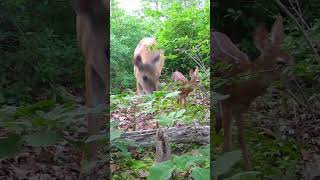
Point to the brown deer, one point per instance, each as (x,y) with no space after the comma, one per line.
(148,63)
(92,30)
(267,67)
(187,85)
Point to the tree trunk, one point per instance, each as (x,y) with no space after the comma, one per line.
(181,135)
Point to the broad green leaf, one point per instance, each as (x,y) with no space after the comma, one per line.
(184,162)
(122,145)
(224,163)
(172,94)
(115,134)
(200,174)
(10,145)
(161,171)
(43,139)
(180,113)
(147,111)
(114,123)
(171,115)
(205,151)
(164,120)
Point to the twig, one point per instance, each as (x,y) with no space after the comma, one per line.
(301,91)
(309,42)
(295,97)
(253,73)
(302,104)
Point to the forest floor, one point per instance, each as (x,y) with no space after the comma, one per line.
(281,117)
(131,118)
(59,161)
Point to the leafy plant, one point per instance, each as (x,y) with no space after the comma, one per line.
(197,164)
(223,164)
(40,125)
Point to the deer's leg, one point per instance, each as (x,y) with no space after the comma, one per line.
(227,125)
(241,139)
(96,94)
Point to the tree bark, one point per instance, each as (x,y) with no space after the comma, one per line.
(163,150)
(180,135)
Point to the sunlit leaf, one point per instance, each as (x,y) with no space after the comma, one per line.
(200,173)
(161,171)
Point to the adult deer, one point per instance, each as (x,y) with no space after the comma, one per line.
(148,63)
(92,30)
(267,67)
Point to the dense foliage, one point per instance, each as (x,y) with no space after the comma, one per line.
(39,54)
(182,30)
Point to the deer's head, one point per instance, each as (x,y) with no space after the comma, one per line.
(272,56)
(147,73)
(194,75)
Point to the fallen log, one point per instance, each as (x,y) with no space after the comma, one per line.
(178,135)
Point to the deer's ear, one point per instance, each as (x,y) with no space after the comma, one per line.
(138,62)
(261,38)
(196,72)
(191,72)
(277,32)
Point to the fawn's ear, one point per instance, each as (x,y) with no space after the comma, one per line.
(261,38)
(196,72)
(191,72)
(277,32)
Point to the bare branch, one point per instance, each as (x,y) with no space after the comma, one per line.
(309,42)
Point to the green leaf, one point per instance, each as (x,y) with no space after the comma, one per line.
(114,123)
(10,145)
(148,110)
(115,134)
(200,173)
(161,171)
(184,162)
(180,113)
(224,163)
(43,139)
(172,94)
(165,120)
